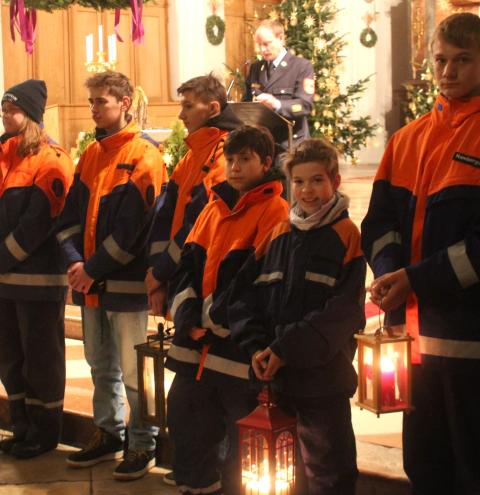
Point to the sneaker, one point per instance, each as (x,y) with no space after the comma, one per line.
(103,446)
(136,464)
(169,479)
(7,444)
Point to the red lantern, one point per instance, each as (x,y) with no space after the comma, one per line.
(384,371)
(267,449)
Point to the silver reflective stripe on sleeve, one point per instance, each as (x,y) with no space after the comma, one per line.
(46,405)
(320,277)
(65,234)
(116,252)
(269,277)
(174,251)
(33,279)
(15,249)
(457,254)
(464,349)
(212,362)
(17,396)
(207,321)
(181,297)
(125,287)
(158,247)
(392,237)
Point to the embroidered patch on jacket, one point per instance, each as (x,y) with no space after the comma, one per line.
(126,166)
(296,108)
(468,159)
(309,86)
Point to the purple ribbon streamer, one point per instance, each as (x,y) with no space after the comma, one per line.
(116,25)
(25,21)
(137,25)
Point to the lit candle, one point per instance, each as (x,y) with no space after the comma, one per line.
(112,48)
(388,381)
(100,38)
(150,385)
(89,48)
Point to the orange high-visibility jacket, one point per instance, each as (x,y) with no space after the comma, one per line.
(188,191)
(225,233)
(424,215)
(32,194)
(108,214)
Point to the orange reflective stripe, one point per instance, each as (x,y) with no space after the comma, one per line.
(201,364)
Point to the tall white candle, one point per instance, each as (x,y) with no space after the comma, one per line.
(100,38)
(89,48)
(112,48)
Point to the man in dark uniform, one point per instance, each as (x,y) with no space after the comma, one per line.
(281,81)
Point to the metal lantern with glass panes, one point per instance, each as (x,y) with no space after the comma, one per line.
(153,379)
(267,449)
(384,371)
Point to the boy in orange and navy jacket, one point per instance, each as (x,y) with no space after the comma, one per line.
(208,119)
(294,307)
(421,235)
(103,232)
(210,390)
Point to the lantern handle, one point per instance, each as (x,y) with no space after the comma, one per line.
(381,326)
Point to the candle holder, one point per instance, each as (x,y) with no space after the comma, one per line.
(101,64)
(153,382)
(267,449)
(384,371)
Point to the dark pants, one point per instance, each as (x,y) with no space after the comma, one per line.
(32,366)
(327,445)
(441,437)
(202,423)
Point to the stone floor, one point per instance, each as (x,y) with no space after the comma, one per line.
(49,475)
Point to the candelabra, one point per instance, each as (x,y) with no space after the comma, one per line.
(104,61)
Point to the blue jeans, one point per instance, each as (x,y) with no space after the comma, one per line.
(110,338)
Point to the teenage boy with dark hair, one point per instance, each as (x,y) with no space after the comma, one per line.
(102,231)
(422,238)
(208,119)
(211,390)
(294,307)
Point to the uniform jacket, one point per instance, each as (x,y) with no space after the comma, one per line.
(424,215)
(108,214)
(188,191)
(225,233)
(292,82)
(32,194)
(302,294)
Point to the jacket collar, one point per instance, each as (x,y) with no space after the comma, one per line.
(231,203)
(454,112)
(118,139)
(283,67)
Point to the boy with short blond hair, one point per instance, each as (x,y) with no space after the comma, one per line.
(102,231)
(422,239)
(211,390)
(294,307)
(208,119)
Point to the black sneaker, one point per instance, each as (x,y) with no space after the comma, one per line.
(103,446)
(31,448)
(169,479)
(136,464)
(7,444)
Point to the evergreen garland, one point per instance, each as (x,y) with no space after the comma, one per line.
(309,34)
(51,5)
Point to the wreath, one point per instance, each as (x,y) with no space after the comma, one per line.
(368,37)
(215,29)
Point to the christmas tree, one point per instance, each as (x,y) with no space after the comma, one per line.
(421,93)
(309,34)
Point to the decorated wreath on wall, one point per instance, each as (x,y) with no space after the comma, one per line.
(215,29)
(368,37)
